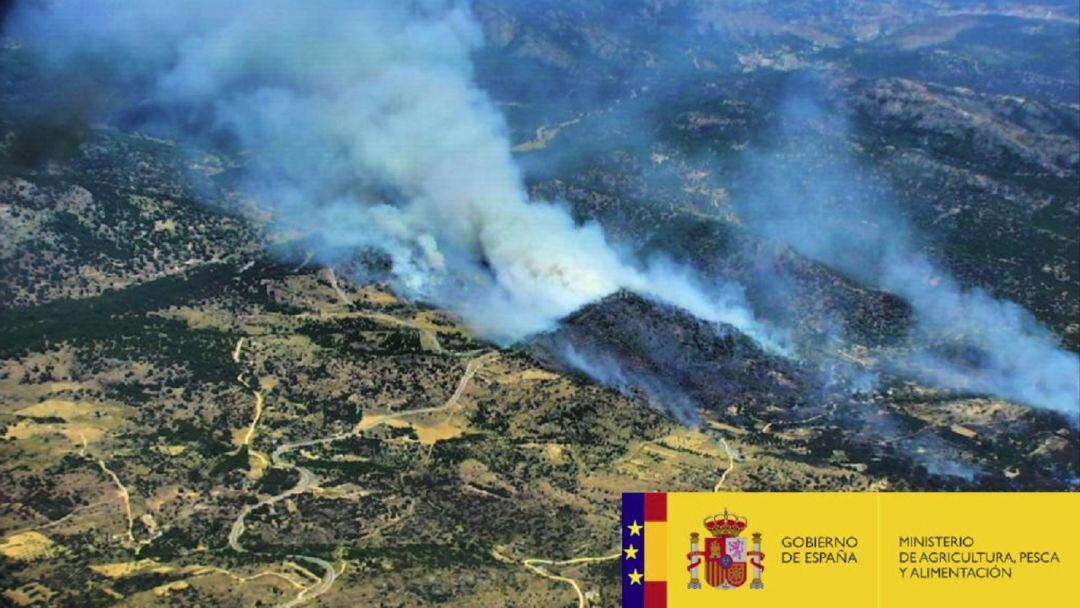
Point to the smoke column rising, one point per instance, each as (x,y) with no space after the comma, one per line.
(814,197)
(365,128)
(361,124)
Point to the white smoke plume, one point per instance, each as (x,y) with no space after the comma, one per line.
(364,126)
(361,123)
(813,197)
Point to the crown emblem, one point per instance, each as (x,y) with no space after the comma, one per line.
(725,525)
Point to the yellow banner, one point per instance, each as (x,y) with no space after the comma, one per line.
(848,549)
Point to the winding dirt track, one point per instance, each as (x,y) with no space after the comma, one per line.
(309,480)
(260,398)
(125,497)
(730,466)
(470,370)
(329,576)
(534,564)
(531,564)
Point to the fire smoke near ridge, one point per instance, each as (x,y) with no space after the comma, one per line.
(1006,351)
(366,129)
(361,123)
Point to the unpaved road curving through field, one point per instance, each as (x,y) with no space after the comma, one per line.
(535,564)
(309,480)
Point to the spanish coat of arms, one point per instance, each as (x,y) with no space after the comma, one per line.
(727,559)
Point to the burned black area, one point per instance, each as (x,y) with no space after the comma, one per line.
(698,371)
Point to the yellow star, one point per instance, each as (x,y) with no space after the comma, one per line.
(635,529)
(631,553)
(635,577)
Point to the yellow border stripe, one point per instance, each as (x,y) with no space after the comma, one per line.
(656,550)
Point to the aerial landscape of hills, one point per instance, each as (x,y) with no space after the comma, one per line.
(267,338)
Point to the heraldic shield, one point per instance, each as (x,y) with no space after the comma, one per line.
(725,562)
(727,558)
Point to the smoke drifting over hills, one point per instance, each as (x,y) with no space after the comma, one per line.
(360,123)
(367,130)
(812,199)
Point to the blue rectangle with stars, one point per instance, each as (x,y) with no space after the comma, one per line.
(633,547)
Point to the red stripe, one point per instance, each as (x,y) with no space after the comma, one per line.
(656,506)
(655,594)
(713,574)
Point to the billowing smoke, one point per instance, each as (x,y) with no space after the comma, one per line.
(604,368)
(813,196)
(361,124)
